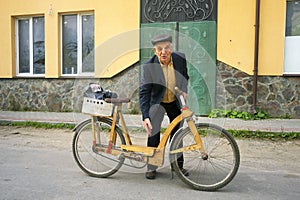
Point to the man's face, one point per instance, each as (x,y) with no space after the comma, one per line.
(163,51)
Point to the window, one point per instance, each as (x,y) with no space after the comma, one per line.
(78,44)
(293,18)
(30,46)
(292,38)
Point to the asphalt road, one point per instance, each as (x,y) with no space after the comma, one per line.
(38,164)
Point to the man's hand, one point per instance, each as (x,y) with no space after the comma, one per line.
(148,126)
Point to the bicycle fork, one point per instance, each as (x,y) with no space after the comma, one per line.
(187,114)
(198,141)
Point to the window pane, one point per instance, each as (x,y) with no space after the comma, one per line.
(38,45)
(23,43)
(69,40)
(293,18)
(88,43)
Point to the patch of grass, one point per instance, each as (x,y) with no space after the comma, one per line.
(265,135)
(259,134)
(39,125)
(218,113)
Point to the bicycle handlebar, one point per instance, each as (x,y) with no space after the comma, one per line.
(179,91)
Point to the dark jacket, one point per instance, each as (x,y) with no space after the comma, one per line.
(153,84)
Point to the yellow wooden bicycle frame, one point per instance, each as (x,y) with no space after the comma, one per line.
(150,155)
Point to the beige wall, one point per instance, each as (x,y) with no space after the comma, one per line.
(111,18)
(117,34)
(236,35)
(272,35)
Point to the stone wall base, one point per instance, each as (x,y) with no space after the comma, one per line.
(278,95)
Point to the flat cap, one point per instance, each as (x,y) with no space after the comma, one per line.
(161,38)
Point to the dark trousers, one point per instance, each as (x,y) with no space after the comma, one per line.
(157,113)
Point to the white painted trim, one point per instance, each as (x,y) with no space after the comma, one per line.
(292,55)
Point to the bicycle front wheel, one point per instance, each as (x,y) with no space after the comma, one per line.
(212,171)
(97,163)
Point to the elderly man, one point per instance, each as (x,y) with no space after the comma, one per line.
(161,73)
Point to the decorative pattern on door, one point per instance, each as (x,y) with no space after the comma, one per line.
(177,10)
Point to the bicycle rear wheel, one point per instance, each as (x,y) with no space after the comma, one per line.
(97,163)
(206,173)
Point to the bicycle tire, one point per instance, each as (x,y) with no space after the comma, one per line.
(96,164)
(216,170)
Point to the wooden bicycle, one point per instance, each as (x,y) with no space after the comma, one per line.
(211,155)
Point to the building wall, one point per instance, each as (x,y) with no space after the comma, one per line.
(117,34)
(279,96)
(117,49)
(64,94)
(272,37)
(236,35)
(111,19)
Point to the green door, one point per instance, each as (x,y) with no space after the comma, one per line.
(198,41)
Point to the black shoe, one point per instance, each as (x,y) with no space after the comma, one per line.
(185,172)
(151,174)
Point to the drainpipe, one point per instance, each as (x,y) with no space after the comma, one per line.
(256,47)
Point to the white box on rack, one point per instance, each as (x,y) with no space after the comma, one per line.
(96,107)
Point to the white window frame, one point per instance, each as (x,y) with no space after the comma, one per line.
(30,48)
(291,54)
(79,46)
